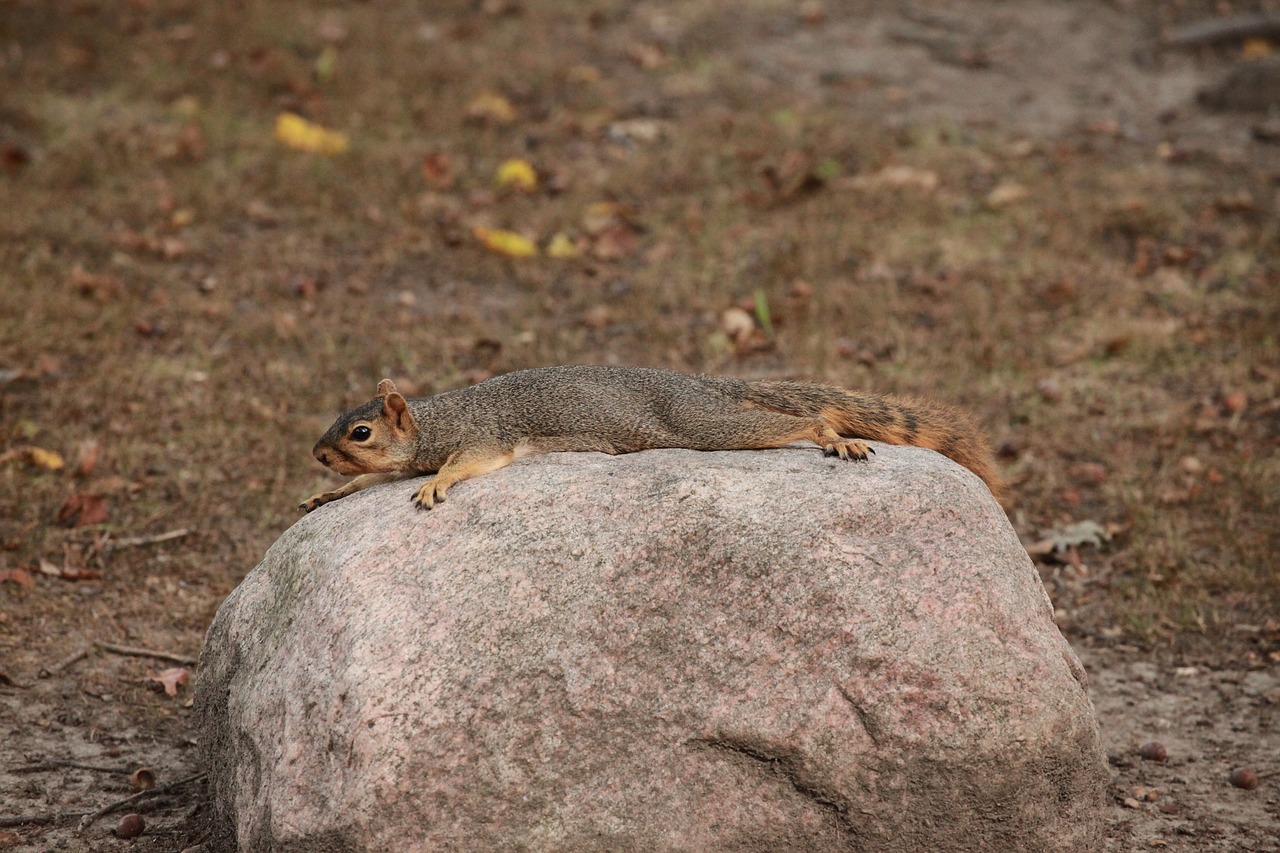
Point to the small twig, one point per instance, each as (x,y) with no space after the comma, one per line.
(1214,30)
(58,667)
(59,765)
(30,820)
(143,653)
(135,541)
(141,795)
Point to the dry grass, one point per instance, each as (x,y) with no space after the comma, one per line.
(1097,326)
(198,301)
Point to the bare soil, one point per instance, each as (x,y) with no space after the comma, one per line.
(1028,209)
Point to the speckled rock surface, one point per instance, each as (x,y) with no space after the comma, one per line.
(666,651)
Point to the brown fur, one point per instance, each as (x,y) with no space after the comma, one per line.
(472,431)
(949,431)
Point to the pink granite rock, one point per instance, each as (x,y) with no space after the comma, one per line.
(667,651)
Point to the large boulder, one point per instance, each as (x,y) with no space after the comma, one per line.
(667,651)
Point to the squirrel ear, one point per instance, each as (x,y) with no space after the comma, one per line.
(395,409)
(385,387)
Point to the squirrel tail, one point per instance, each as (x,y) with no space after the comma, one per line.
(854,414)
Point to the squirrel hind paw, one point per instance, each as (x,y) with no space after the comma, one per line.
(849,449)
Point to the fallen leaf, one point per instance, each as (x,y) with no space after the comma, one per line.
(600,216)
(636,130)
(517,173)
(171,248)
(99,287)
(82,509)
(895,177)
(491,108)
(37,456)
(737,324)
(1092,473)
(87,452)
(46,459)
(597,317)
(648,56)
(796,175)
(1256,48)
(296,132)
(562,247)
(67,571)
(260,212)
(617,241)
(171,679)
(192,143)
(1067,536)
(326,62)
(437,168)
(13,156)
(332,29)
(25,428)
(1006,194)
(507,243)
(21,577)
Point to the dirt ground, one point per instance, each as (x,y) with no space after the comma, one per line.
(1062,216)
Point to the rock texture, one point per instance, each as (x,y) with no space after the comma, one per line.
(667,651)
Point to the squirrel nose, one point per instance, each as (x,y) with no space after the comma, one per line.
(321,456)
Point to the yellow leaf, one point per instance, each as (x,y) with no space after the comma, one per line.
(296,132)
(26,428)
(506,243)
(492,108)
(37,456)
(517,173)
(561,247)
(46,459)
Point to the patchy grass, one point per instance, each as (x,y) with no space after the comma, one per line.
(199,301)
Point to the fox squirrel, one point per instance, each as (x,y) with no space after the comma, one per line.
(472,431)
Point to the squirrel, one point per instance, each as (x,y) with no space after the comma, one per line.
(471,431)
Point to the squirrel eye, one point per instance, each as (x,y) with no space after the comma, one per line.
(361,433)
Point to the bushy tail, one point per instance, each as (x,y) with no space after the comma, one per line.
(854,414)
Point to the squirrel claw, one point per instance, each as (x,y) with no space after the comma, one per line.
(428,496)
(849,450)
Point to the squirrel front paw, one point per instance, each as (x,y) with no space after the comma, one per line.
(430,493)
(316,501)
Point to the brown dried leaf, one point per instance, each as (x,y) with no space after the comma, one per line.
(21,577)
(615,242)
(87,452)
(171,679)
(437,168)
(99,287)
(81,509)
(67,571)
(13,156)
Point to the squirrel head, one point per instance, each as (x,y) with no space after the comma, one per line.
(378,437)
